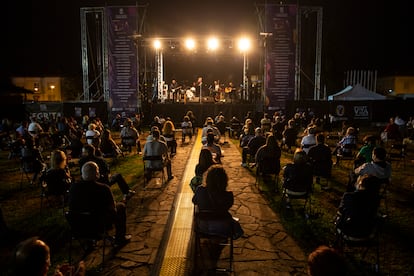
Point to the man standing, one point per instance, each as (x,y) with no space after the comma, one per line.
(175,90)
(88,195)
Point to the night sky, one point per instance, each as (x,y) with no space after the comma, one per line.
(43,37)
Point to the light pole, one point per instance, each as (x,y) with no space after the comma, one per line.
(244,46)
(159,63)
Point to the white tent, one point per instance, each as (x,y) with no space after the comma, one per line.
(355,93)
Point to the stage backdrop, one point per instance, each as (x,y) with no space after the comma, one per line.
(122,59)
(280,55)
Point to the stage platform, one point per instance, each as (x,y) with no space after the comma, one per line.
(202,110)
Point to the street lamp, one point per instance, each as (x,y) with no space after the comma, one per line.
(244,46)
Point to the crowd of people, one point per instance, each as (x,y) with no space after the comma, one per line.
(261,142)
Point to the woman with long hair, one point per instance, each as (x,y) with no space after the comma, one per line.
(168,132)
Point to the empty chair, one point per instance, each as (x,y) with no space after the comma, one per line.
(397,154)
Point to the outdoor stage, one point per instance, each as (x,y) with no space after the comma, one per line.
(202,110)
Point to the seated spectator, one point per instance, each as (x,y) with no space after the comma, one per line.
(244,141)
(297,176)
(265,123)
(221,126)
(308,140)
(116,122)
(392,131)
(365,153)
(32,257)
(108,146)
(268,156)
(214,197)
(88,154)
(75,143)
(187,129)
(93,136)
(320,158)
(35,130)
(209,127)
(290,135)
(378,167)
(130,137)
(32,159)
(214,148)
(278,127)
(57,177)
(346,144)
(235,127)
(205,161)
(326,261)
(357,212)
(169,133)
(89,195)
(155,147)
(255,143)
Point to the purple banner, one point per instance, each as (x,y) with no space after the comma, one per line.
(122,59)
(280,55)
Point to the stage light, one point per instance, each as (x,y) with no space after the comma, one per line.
(244,44)
(157,44)
(212,44)
(190,44)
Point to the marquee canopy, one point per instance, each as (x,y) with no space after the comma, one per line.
(355,93)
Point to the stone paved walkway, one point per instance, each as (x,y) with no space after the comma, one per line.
(265,248)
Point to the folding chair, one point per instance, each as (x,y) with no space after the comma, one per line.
(54,190)
(217,229)
(345,241)
(347,155)
(397,153)
(268,170)
(88,229)
(26,168)
(157,165)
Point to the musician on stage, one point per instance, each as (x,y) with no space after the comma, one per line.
(175,90)
(200,87)
(230,92)
(216,91)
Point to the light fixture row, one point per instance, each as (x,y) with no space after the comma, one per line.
(212,44)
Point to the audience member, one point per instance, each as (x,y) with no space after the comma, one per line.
(255,143)
(168,132)
(93,136)
(209,126)
(290,135)
(378,167)
(308,140)
(320,158)
(32,159)
(91,196)
(108,146)
(130,137)
(155,147)
(357,212)
(392,131)
(214,148)
(213,196)
(297,176)
(205,161)
(326,261)
(365,153)
(346,144)
(187,129)
(88,154)
(57,177)
(268,157)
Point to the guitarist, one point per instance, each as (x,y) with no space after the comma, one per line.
(229,91)
(175,90)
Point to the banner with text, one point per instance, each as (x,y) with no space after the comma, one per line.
(122,59)
(280,55)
